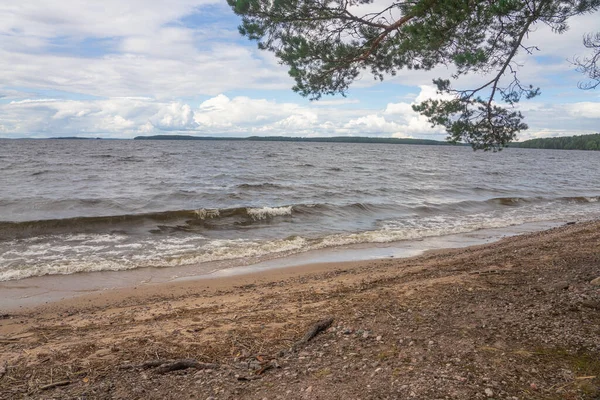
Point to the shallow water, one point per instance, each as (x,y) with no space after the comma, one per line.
(70,206)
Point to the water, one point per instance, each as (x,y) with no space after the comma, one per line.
(70,206)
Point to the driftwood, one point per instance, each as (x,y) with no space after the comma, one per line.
(164,366)
(55,384)
(309,335)
(184,364)
(247,378)
(146,365)
(3,369)
(314,331)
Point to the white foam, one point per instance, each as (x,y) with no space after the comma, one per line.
(267,212)
(59,256)
(106,238)
(153,257)
(207,213)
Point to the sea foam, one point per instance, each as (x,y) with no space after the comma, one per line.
(268,212)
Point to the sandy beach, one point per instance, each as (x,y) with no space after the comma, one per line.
(515,319)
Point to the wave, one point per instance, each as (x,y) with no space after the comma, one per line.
(189,219)
(112,249)
(268,212)
(88,253)
(222,218)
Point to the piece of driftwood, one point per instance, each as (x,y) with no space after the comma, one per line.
(153,363)
(3,369)
(247,378)
(308,336)
(184,364)
(164,366)
(55,384)
(314,331)
(146,365)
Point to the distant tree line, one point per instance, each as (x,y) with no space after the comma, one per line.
(335,139)
(581,142)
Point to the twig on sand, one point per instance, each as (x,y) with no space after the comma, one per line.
(309,335)
(145,365)
(184,364)
(247,378)
(314,331)
(164,366)
(55,384)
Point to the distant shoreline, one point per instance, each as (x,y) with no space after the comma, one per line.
(577,142)
(331,139)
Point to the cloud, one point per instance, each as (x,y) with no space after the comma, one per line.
(371,124)
(584,110)
(222,115)
(82,18)
(174,116)
(130,48)
(214,71)
(245,113)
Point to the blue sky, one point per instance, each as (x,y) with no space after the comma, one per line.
(122,68)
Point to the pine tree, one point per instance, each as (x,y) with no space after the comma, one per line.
(327,43)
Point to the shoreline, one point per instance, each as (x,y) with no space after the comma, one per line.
(519,317)
(35,291)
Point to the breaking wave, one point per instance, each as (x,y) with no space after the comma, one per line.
(210,218)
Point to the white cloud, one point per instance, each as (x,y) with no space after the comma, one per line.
(219,69)
(83,18)
(246,113)
(174,116)
(584,110)
(245,116)
(371,124)
(129,48)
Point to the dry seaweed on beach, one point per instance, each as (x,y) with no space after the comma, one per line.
(514,319)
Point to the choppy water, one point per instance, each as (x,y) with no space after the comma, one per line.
(71,205)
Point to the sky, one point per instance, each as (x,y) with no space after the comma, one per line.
(125,68)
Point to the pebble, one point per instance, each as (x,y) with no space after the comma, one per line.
(489,392)
(596,282)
